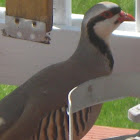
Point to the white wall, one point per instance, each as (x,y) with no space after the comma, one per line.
(20,59)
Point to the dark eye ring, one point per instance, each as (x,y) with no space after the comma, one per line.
(107,14)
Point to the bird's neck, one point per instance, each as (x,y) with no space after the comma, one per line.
(91,56)
(100,41)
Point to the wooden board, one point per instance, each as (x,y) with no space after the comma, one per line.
(101,132)
(40,10)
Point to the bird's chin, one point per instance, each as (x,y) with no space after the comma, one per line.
(118,22)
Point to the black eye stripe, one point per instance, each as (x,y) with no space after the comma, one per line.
(99,18)
(110,13)
(107,14)
(115,10)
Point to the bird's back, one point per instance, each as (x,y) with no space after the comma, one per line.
(54,125)
(45,94)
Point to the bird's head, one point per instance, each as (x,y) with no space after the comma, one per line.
(98,24)
(102,19)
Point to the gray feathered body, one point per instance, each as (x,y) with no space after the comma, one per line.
(46,94)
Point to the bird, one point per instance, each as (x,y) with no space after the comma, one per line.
(37,110)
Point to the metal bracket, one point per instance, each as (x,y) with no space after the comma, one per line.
(26,29)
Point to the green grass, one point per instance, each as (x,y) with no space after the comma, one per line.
(2,3)
(113,113)
(5,90)
(81,6)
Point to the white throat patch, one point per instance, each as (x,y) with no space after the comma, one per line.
(104,28)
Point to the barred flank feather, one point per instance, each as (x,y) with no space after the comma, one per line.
(55,125)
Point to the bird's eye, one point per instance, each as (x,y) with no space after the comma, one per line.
(107,14)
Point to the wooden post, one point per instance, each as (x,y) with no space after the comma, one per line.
(40,10)
(29,19)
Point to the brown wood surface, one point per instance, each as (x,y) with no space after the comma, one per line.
(101,132)
(40,10)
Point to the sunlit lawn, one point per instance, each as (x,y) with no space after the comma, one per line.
(2,3)
(81,6)
(113,113)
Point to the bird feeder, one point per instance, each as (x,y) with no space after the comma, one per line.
(29,19)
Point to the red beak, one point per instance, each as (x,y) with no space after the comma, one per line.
(125,17)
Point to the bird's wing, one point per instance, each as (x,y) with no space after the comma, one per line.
(27,105)
(23,125)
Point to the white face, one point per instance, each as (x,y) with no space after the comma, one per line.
(104,28)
